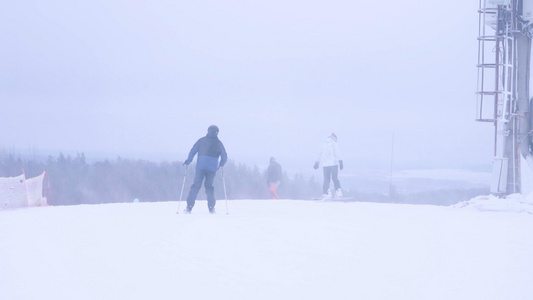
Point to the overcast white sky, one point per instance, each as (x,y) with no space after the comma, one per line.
(145,77)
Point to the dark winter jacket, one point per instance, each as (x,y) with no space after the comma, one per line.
(209,149)
(274,171)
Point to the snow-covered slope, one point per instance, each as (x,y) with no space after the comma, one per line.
(265,249)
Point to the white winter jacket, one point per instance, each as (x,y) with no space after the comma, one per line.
(329,154)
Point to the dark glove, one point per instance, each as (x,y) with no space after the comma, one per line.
(341,166)
(186,162)
(316,165)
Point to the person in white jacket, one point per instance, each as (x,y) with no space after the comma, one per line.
(331,162)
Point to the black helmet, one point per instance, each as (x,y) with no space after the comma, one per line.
(213,128)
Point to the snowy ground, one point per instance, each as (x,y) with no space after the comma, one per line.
(265,249)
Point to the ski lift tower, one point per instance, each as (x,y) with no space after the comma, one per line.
(504,50)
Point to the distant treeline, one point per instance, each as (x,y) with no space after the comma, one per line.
(74,181)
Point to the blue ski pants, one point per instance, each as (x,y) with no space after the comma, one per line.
(199,176)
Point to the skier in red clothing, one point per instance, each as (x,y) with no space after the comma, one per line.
(274,178)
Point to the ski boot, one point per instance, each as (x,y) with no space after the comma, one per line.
(326,197)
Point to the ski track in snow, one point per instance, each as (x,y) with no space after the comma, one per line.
(265,249)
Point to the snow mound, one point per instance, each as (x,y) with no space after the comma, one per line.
(515,203)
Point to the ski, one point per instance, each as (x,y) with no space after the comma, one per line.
(340,199)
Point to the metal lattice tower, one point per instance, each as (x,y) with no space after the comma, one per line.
(504,47)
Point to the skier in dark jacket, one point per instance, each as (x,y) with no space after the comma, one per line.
(209,149)
(274,177)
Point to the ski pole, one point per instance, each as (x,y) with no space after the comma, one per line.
(182,186)
(225,194)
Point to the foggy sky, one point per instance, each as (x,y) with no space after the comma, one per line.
(148,77)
